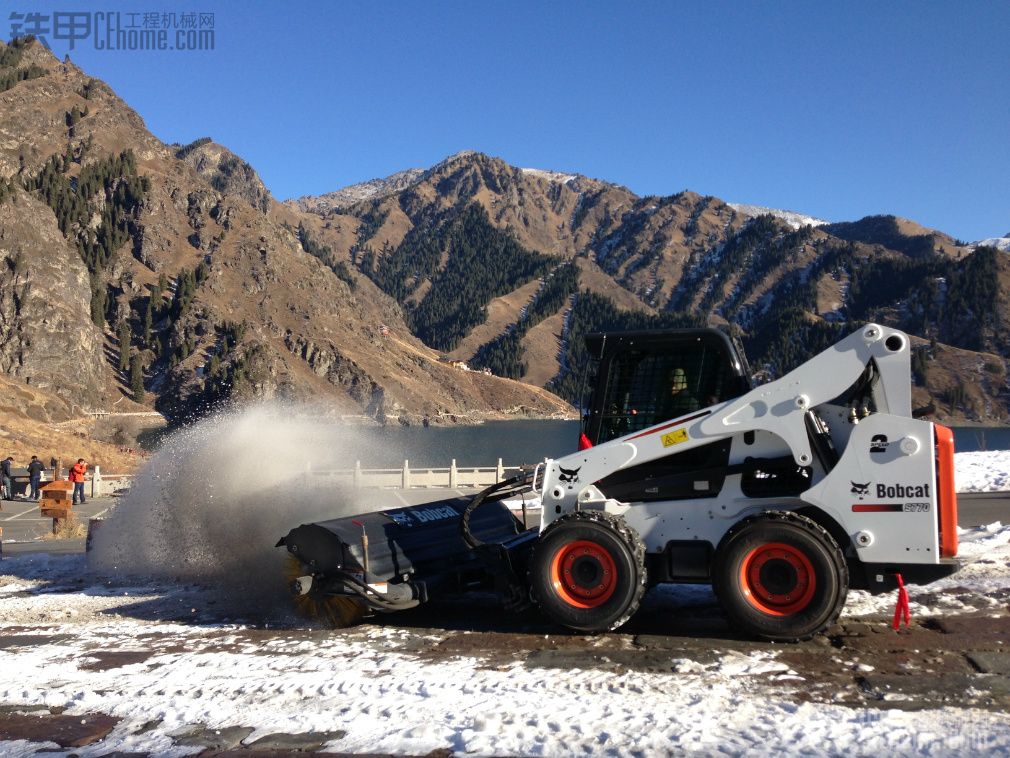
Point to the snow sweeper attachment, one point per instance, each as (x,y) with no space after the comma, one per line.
(391,560)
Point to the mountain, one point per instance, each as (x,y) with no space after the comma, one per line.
(504,266)
(135,274)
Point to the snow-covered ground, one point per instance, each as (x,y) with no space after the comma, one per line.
(378,688)
(987,471)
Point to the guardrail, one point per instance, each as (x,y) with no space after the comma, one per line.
(404,477)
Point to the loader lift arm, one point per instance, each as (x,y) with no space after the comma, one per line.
(873,363)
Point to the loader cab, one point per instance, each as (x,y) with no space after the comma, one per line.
(645,378)
(641,378)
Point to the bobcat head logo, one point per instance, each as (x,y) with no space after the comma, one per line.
(860,489)
(569,475)
(401,518)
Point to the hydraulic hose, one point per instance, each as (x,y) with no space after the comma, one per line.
(502,489)
(373,597)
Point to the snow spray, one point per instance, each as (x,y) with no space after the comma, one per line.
(212,502)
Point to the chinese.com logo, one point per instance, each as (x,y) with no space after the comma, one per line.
(114,30)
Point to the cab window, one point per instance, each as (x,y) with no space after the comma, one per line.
(645,387)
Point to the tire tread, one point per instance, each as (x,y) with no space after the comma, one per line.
(837,558)
(630,537)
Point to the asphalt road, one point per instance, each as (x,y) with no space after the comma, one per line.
(979,508)
(26,531)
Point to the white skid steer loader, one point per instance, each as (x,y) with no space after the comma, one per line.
(782,497)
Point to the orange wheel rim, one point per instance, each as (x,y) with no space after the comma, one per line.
(583,574)
(777,579)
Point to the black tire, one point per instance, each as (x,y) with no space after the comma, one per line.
(588,571)
(781,577)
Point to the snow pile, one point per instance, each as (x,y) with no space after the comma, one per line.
(981,584)
(203,517)
(987,471)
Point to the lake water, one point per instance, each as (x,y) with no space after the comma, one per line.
(515,442)
(969,439)
(522,442)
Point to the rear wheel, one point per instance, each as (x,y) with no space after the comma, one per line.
(588,571)
(781,577)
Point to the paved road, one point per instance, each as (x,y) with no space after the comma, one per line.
(25,530)
(979,508)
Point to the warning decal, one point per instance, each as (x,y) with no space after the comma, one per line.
(675,437)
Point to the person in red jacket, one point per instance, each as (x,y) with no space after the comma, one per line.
(77,473)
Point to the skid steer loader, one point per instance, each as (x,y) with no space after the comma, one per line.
(781,496)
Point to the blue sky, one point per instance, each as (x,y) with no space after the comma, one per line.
(838,110)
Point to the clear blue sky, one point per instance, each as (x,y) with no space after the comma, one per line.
(835,109)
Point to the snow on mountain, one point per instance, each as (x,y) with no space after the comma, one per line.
(554,176)
(373,188)
(1000,243)
(795,220)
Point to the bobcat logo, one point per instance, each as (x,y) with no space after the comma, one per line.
(401,518)
(860,489)
(569,475)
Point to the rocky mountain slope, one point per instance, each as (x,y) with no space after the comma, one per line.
(372,189)
(789,284)
(165,276)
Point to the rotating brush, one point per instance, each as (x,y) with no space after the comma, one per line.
(339,611)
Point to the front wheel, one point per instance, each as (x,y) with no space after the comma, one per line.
(588,571)
(781,577)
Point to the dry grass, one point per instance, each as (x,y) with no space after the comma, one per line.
(68,529)
(23,435)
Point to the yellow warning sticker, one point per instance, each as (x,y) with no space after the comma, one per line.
(675,437)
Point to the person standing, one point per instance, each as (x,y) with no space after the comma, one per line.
(35,469)
(77,476)
(5,477)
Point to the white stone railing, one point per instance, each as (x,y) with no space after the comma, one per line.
(108,484)
(404,477)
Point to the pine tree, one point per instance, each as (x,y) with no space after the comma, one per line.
(99,301)
(148,320)
(123,335)
(137,378)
